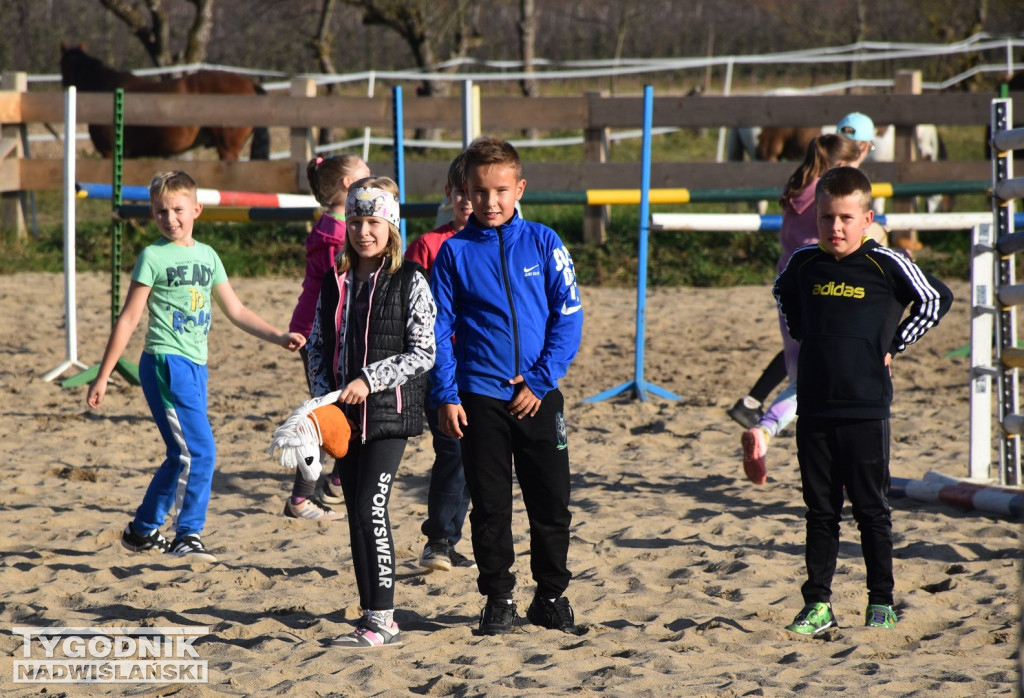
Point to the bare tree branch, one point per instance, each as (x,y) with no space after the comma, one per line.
(150,22)
(322,46)
(426,26)
(527,27)
(324,40)
(199,35)
(140,26)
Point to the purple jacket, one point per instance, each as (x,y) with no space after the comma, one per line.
(799,224)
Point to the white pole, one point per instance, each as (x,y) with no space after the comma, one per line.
(366,131)
(726,90)
(468,122)
(983,314)
(70,301)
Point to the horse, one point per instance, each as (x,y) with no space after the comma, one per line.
(772,144)
(89,74)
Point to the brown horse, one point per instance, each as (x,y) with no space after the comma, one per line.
(785,143)
(89,74)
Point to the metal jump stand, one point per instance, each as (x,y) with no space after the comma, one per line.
(126,368)
(640,387)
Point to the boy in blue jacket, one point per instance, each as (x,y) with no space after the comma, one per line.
(506,291)
(844,300)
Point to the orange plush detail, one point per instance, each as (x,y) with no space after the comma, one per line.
(334,428)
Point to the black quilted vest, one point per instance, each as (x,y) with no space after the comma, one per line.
(397,412)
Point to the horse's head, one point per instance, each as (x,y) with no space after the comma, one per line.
(74,61)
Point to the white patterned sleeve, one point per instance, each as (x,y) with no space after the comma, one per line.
(419,343)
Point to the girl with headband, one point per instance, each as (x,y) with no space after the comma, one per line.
(373,339)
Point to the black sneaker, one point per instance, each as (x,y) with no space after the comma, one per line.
(436,556)
(748,417)
(556,615)
(190,546)
(460,560)
(138,543)
(498,618)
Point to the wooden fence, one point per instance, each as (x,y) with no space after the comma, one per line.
(592,113)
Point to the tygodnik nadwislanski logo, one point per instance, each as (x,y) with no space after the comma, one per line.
(109,655)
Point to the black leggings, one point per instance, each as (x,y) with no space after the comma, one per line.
(367,477)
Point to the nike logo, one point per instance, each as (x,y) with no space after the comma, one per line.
(566,310)
(527,270)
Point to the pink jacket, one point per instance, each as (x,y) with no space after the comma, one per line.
(799,224)
(323,244)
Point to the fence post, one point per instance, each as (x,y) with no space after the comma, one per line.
(595,149)
(302,139)
(12,203)
(907,82)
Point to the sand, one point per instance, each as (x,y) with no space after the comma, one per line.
(684,573)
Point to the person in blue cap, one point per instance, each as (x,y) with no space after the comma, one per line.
(858,127)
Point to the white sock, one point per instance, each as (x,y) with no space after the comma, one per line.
(382,618)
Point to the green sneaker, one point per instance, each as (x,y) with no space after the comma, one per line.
(880,616)
(813,619)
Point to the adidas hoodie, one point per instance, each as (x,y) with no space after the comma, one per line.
(847,314)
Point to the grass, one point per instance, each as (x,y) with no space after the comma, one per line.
(674,259)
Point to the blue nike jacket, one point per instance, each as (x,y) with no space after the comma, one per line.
(508,298)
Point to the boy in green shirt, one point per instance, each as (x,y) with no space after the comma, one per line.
(176,278)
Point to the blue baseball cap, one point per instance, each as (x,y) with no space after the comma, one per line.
(857,126)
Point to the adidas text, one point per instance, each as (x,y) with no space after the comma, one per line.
(840,289)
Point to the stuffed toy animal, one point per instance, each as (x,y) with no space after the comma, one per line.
(315,431)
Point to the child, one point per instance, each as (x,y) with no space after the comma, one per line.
(506,290)
(843,300)
(748,410)
(448,497)
(329,180)
(175,278)
(799,228)
(373,339)
(860,129)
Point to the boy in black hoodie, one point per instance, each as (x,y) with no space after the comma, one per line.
(843,300)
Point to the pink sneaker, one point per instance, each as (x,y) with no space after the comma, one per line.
(311,509)
(755,447)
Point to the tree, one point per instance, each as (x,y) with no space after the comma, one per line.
(323,44)
(435,31)
(151,22)
(528,41)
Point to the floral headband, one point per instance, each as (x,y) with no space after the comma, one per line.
(371,201)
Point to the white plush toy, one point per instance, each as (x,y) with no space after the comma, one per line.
(315,431)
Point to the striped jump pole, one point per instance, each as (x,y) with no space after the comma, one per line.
(682,195)
(638,385)
(967,495)
(582,197)
(207,197)
(753,222)
(257,214)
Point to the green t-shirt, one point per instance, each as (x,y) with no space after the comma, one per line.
(181,300)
